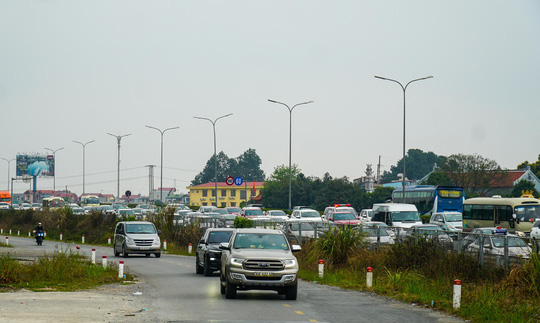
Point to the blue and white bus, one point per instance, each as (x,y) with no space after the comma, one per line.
(431,199)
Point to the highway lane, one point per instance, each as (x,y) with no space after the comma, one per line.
(172,291)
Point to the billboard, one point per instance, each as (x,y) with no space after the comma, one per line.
(35,165)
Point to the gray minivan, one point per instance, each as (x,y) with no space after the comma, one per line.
(136,237)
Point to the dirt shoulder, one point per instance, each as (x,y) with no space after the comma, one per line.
(108,303)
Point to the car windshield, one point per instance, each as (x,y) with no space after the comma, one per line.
(430,230)
(233,210)
(304,226)
(346,209)
(453,217)
(221,211)
(254,212)
(260,241)
(140,228)
(219,236)
(344,216)
(405,216)
(527,213)
(372,232)
(498,242)
(127,212)
(277,213)
(107,207)
(310,214)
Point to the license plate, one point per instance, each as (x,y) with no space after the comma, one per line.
(264,274)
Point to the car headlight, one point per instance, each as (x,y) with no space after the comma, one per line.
(129,240)
(289,262)
(237,262)
(157,242)
(451,227)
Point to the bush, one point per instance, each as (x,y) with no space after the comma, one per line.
(337,245)
(241,222)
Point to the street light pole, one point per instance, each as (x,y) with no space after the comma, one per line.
(161,181)
(404,88)
(9,167)
(83,161)
(54,170)
(118,138)
(290,140)
(215,156)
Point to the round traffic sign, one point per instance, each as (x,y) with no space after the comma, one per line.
(229,180)
(238,181)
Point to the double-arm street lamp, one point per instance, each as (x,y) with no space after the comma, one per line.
(54,170)
(404,88)
(161,180)
(215,156)
(9,167)
(118,138)
(83,160)
(290,139)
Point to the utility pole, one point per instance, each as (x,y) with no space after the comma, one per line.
(150,180)
(118,138)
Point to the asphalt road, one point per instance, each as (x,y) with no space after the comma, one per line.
(170,290)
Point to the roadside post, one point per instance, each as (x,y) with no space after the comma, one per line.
(44,234)
(18,232)
(321,268)
(104,261)
(190,248)
(457,293)
(7,241)
(9,231)
(28,233)
(121,269)
(164,244)
(369,277)
(109,240)
(82,238)
(61,236)
(94,256)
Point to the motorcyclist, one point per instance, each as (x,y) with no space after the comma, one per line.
(38,229)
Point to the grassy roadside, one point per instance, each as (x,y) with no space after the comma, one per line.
(423,273)
(59,271)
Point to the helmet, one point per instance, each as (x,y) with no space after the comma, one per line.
(39,224)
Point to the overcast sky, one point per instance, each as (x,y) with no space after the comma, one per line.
(76,70)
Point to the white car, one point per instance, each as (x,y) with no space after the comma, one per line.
(450,221)
(494,245)
(277,215)
(307,214)
(535,231)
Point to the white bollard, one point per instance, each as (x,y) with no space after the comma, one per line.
(9,231)
(369,277)
(44,234)
(93,256)
(60,236)
(120,269)
(7,241)
(18,232)
(190,247)
(457,293)
(104,262)
(321,268)
(109,240)
(83,238)
(29,233)
(1,231)
(164,244)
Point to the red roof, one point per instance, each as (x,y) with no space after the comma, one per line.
(508,180)
(223,184)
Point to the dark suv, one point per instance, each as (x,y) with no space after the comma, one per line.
(208,254)
(259,259)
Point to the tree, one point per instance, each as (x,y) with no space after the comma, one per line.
(535,167)
(439,179)
(523,186)
(418,164)
(473,172)
(275,192)
(246,165)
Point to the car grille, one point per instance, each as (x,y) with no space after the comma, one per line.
(265,265)
(143,242)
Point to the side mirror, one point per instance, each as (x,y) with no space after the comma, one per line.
(201,241)
(295,248)
(514,216)
(224,246)
(487,245)
(158,231)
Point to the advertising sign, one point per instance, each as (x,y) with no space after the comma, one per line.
(35,165)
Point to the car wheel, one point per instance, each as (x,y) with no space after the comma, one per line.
(230,289)
(291,291)
(116,254)
(158,254)
(124,253)
(206,268)
(198,267)
(221,285)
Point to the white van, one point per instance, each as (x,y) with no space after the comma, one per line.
(396,214)
(365,215)
(136,237)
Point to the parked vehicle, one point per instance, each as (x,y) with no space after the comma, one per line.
(300,229)
(277,215)
(535,231)
(4,206)
(429,231)
(233,210)
(207,209)
(365,215)
(494,245)
(376,234)
(136,237)
(396,214)
(208,254)
(339,208)
(343,218)
(259,259)
(471,237)
(307,214)
(431,199)
(251,212)
(451,221)
(36,206)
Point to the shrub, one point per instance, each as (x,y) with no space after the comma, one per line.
(241,222)
(337,245)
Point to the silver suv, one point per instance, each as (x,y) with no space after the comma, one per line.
(136,237)
(259,259)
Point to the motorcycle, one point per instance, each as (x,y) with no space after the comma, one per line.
(39,238)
